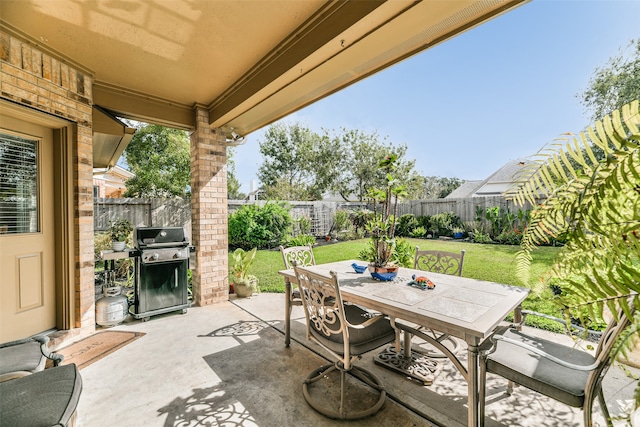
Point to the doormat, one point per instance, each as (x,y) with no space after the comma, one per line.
(93,348)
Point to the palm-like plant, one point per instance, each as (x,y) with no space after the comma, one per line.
(382,226)
(594,203)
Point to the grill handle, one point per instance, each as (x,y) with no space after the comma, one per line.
(165,245)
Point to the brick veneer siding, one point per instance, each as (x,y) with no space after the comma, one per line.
(38,80)
(209,211)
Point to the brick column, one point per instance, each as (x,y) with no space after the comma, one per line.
(209,211)
(40,81)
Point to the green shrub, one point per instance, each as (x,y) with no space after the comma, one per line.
(301,240)
(342,221)
(480,237)
(406,224)
(509,237)
(441,223)
(418,232)
(262,227)
(424,221)
(302,225)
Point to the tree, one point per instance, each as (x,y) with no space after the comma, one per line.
(437,187)
(298,163)
(233,185)
(159,157)
(362,152)
(614,85)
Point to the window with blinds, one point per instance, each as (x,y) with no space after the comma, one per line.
(18,185)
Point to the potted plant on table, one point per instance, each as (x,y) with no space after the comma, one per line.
(244,284)
(383,224)
(119,232)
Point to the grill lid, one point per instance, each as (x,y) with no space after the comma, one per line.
(160,237)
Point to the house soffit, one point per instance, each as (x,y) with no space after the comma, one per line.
(248,62)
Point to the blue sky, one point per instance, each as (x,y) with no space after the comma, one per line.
(497,92)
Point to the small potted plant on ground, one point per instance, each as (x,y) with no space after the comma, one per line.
(244,284)
(119,232)
(382,226)
(458,232)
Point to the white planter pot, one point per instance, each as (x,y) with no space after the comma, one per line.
(118,246)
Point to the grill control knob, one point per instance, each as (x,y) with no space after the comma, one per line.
(176,255)
(155,256)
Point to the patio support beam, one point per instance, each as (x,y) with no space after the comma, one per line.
(209,211)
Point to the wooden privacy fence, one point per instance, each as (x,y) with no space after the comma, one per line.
(177,212)
(142,212)
(464,208)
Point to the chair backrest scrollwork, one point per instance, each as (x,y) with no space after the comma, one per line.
(322,303)
(439,261)
(302,255)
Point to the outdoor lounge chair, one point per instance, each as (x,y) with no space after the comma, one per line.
(301,256)
(42,399)
(346,332)
(26,356)
(566,374)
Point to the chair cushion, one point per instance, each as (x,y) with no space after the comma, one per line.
(45,398)
(538,373)
(25,356)
(361,340)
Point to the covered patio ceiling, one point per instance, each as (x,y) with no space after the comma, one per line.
(249,63)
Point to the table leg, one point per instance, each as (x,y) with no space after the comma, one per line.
(287,313)
(407,344)
(517,316)
(472,384)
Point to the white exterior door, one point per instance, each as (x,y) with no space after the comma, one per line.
(27,235)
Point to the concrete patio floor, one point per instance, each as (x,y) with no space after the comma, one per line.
(226,365)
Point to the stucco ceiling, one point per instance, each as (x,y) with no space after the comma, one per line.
(249,62)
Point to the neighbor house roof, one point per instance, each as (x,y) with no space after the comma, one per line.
(467,189)
(495,185)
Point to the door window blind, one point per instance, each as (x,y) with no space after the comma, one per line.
(18,185)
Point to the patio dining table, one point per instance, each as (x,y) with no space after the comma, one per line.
(465,308)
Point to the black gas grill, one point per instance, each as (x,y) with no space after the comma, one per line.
(161,271)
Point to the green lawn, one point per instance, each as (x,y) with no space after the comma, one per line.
(494,263)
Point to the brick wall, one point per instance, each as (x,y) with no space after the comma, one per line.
(41,81)
(209,211)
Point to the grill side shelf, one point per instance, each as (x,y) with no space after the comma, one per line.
(112,255)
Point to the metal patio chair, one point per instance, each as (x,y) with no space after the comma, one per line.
(415,361)
(26,356)
(445,263)
(301,256)
(563,373)
(346,332)
(439,261)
